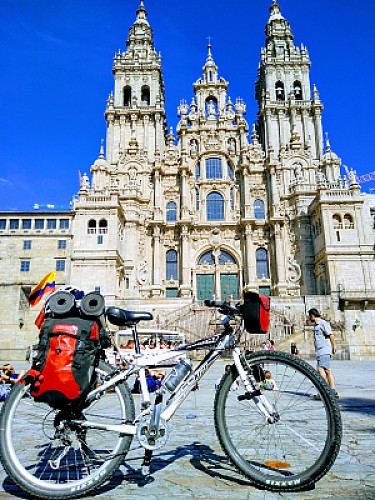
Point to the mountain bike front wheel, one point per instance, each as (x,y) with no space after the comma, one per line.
(49,455)
(300,445)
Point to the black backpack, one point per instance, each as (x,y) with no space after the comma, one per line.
(63,372)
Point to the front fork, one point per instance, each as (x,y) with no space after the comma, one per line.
(252,388)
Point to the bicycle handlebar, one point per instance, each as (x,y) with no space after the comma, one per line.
(224,307)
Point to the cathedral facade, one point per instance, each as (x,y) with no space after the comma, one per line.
(216,208)
(223,206)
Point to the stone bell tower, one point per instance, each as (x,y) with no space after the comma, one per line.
(135,112)
(283,91)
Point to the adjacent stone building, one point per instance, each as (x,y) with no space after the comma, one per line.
(218,207)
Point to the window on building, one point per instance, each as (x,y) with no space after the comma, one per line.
(348,221)
(103,226)
(171,211)
(171,265)
(171,293)
(3,224)
(215,206)
(100,239)
(25,266)
(51,223)
(24,297)
(197,201)
(39,223)
(27,245)
(259,209)
(61,244)
(14,224)
(60,265)
(337,221)
(91,227)
(262,263)
(265,290)
(207,258)
(26,223)
(127,95)
(297,89)
(145,95)
(280,92)
(214,168)
(226,258)
(64,223)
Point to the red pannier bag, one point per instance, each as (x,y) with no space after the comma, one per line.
(256,312)
(63,372)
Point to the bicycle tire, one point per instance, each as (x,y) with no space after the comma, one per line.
(297,450)
(92,455)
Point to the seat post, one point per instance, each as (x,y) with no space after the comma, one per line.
(137,347)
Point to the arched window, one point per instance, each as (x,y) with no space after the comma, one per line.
(262,263)
(145,95)
(214,168)
(337,223)
(297,89)
(215,206)
(280,93)
(127,95)
(259,209)
(91,227)
(226,258)
(207,258)
(171,265)
(103,226)
(348,222)
(171,211)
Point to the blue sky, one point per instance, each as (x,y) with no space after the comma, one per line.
(56,74)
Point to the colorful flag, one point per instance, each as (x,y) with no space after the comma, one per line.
(46,285)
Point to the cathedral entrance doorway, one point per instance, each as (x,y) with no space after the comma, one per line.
(217,276)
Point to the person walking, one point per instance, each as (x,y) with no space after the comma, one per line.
(324,342)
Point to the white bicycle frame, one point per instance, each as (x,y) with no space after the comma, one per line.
(144,360)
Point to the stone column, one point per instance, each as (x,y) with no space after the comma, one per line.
(156,287)
(280,260)
(249,261)
(185,285)
(146,120)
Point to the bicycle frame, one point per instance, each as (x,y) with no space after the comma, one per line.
(217,344)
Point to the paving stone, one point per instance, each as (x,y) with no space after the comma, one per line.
(193,466)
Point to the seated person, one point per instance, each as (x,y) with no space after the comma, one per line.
(8,375)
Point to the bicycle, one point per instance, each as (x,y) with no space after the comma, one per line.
(281,439)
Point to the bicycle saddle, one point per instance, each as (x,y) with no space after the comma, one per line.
(121,317)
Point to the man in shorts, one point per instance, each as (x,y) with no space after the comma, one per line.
(324,343)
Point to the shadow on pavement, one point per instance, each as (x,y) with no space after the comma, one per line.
(360,405)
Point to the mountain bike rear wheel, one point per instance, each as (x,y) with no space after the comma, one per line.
(301,445)
(48,456)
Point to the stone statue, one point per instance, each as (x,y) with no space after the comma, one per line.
(294,269)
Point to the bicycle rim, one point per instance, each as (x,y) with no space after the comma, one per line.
(63,463)
(301,446)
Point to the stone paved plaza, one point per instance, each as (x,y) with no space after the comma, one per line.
(192,464)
